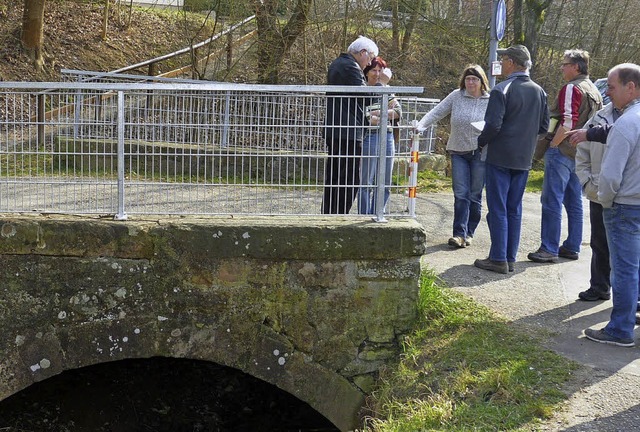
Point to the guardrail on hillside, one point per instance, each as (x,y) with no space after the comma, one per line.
(152,64)
(183,148)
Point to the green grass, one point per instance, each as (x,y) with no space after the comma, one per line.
(431,181)
(465,369)
(534,184)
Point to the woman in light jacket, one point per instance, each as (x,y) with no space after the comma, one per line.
(466,104)
(375,74)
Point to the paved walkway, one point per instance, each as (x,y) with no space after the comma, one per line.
(543,299)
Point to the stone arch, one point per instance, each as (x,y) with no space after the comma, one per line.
(266,356)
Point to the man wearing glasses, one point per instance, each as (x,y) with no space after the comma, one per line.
(344,127)
(516,114)
(577,102)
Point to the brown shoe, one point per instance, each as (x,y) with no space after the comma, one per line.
(494,266)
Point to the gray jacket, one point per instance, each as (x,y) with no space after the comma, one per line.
(620,173)
(589,155)
(464,109)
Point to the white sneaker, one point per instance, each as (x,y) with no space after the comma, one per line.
(457,242)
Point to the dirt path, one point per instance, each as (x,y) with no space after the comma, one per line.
(541,298)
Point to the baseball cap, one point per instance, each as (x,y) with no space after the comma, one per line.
(519,53)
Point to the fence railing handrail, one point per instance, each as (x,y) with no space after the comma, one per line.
(210,86)
(187,49)
(91,75)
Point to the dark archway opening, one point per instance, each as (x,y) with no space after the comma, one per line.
(158,394)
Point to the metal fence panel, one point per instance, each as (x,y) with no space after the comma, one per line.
(182,148)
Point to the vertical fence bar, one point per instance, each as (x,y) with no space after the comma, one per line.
(40,116)
(382,156)
(120,215)
(413,173)
(225,126)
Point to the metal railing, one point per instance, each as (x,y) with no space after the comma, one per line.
(184,148)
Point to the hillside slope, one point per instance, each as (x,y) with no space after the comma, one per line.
(72,38)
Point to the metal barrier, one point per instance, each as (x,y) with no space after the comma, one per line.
(184,148)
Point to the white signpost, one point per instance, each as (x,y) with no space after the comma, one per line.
(498,28)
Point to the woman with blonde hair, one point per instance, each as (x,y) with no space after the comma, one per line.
(466,104)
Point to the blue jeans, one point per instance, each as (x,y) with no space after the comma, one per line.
(560,187)
(467,174)
(622,222)
(505,188)
(369,169)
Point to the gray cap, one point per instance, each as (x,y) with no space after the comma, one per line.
(519,53)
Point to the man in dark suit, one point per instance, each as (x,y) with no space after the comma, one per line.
(344,127)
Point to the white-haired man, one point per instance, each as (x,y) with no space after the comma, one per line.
(619,194)
(344,127)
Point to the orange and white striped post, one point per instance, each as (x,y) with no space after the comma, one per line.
(413,172)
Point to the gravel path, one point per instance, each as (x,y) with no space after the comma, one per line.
(541,298)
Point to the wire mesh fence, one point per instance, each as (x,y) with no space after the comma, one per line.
(119,148)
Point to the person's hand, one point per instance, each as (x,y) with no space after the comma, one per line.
(414,126)
(576,136)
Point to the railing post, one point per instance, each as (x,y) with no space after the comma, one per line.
(120,215)
(153,69)
(224,142)
(382,157)
(413,173)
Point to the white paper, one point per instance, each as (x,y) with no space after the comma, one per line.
(478,125)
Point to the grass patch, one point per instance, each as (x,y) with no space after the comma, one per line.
(431,181)
(534,184)
(465,369)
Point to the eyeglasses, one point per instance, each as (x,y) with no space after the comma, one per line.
(471,78)
(369,54)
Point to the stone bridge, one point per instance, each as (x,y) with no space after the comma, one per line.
(313,306)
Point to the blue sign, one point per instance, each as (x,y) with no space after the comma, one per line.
(501,19)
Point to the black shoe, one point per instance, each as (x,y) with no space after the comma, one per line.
(512,267)
(495,266)
(542,256)
(603,337)
(563,252)
(637,318)
(593,295)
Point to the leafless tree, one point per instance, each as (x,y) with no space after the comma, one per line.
(33,30)
(274,39)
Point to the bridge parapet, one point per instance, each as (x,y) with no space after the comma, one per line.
(313,306)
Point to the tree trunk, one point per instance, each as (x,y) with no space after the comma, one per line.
(395,26)
(105,20)
(274,43)
(32,31)
(518,34)
(534,18)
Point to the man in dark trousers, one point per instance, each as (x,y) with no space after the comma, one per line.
(344,127)
(516,115)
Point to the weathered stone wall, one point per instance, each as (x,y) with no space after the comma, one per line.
(315,307)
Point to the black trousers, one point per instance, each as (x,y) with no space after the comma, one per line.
(600,267)
(341,175)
